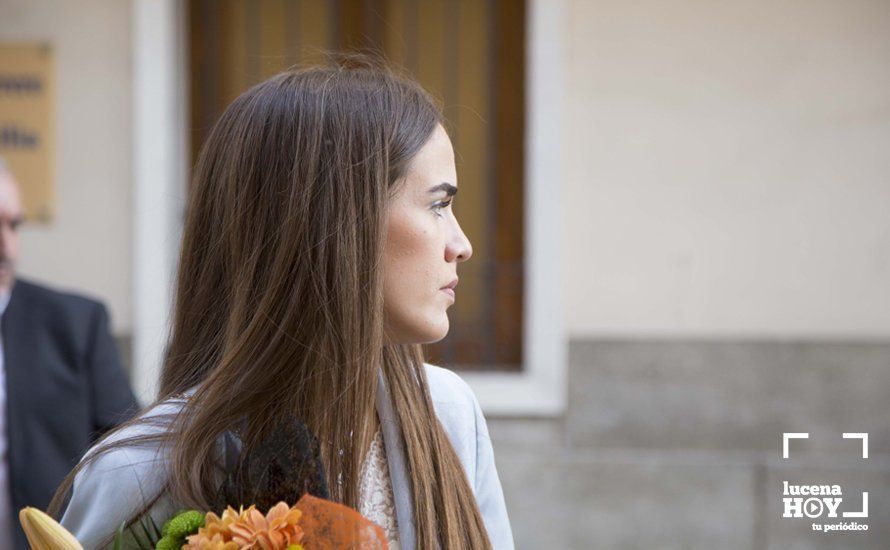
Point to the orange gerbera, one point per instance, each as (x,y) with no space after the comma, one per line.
(276,530)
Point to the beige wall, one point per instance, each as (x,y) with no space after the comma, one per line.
(728,168)
(87,247)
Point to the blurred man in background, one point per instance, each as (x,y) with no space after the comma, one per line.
(63,385)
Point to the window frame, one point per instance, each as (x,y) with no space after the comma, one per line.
(541,388)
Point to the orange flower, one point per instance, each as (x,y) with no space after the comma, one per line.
(249,529)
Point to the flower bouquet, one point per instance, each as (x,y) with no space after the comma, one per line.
(313,523)
(285,467)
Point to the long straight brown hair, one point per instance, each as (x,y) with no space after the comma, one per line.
(279,306)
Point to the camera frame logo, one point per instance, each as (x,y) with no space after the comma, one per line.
(822,501)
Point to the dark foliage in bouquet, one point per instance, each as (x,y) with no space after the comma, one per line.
(283,467)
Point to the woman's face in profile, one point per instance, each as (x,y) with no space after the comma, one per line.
(424,243)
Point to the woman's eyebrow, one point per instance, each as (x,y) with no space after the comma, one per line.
(447,187)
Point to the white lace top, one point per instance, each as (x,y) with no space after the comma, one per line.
(375,488)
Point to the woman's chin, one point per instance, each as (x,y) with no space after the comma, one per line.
(433,332)
(428,331)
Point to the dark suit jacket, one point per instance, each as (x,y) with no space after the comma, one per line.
(64,388)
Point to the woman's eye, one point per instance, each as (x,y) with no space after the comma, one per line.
(440,205)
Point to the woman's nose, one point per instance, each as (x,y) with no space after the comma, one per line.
(460,248)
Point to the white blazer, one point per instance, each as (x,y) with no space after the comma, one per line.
(121,482)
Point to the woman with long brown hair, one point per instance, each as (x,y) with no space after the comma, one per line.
(319,253)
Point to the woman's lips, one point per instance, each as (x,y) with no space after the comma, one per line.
(449,292)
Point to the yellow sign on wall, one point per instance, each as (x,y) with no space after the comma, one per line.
(27,129)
